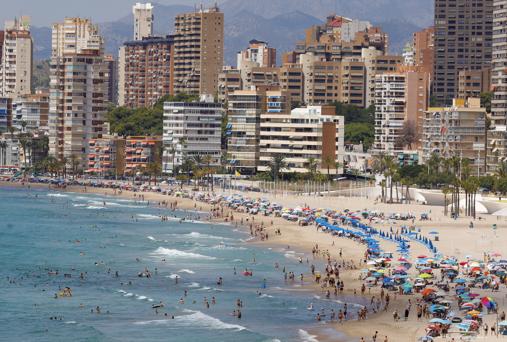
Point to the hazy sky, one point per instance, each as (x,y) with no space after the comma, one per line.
(45,12)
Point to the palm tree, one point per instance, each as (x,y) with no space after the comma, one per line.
(208,159)
(408,135)
(276,165)
(187,166)
(3,152)
(312,165)
(328,162)
(501,170)
(391,168)
(25,142)
(74,165)
(446,191)
(23,125)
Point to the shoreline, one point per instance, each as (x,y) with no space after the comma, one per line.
(302,239)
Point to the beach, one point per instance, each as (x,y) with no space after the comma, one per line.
(455,238)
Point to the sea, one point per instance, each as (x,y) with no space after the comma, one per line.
(49,239)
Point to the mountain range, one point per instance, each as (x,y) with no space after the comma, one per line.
(279,22)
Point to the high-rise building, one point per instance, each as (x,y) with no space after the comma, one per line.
(401,98)
(5,114)
(78,97)
(338,38)
(244,117)
(497,136)
(463,40)
(143,20)
(472,83)
(192,129)
(145,71)
(30,112)
(259,53)
(424,49)
(198,51)
(112,70)
(229,80)
(303,133)
(75,35)
(457,131)
(16,58)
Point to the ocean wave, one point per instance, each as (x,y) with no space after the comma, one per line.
(129,294)
(186,271)
(225,247)
(201,319)
(148,217)
(149,237)
(197,235)
(194,285)
(265,296)
(94,207)
(79,205)
(175,253)
(71,322)
(306,337)
(57,195)
(173,276)
(237,260)
(194,319)
(205,288)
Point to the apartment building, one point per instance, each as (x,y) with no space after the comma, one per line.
(400,101)
(259,53)
(192,130)
(5,114)
(143,20)
(330,81)
(140,151)
(16,58)
(198,51)
(459,130)
(112,71)
(229,80)
(30,112)
(74,35)
(78,103)
(106,156)
(291,81)
(375,64)
(424,49)
(463,40)
(301,134)
(472,83)
(145,71)
(244,116)
(336,40)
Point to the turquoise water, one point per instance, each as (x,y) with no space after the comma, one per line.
(43,232)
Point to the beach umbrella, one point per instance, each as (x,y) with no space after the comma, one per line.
(460,281)
(422,256)
(433,232)
(427,291)
(425,275)
(473,313)
(439,320)
(468,306)
(496,254)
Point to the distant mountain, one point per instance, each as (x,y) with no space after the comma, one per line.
(279,22)
(417,12)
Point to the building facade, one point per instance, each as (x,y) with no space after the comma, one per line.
(198,51)
(30,112)
(145,71)
(401,98)
(301,135)
(472,83)
(258,52)
(140,151)
(73,36)
(192,130)
(457,131)
(5,114)
(143,20)
(106,156)
(463,40)
(16,60)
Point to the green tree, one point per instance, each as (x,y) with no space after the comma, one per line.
(276,165)
(359,132)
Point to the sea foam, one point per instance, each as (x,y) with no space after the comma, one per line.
(306,337)
(175,253)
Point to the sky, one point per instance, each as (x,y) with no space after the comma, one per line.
(46,12)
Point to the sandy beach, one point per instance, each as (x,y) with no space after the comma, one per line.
(456,238)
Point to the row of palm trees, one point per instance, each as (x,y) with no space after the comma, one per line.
(454,176)
(278,164)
